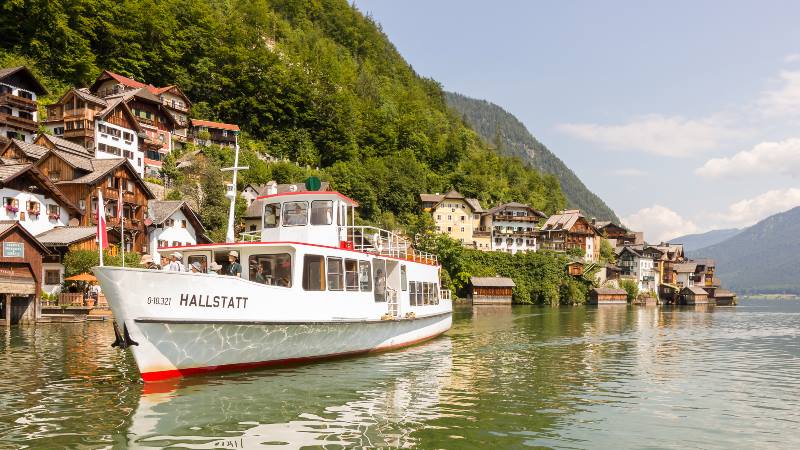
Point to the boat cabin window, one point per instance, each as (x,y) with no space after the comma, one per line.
(272,215)
(202,259)
(322,212)
(364,276)
(274,270)
(335,274)
(422,293)
(295,214)
(379,274)
(403,278)
(412,293)
(314,273)
(351,275)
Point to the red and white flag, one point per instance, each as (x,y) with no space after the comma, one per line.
(102,232)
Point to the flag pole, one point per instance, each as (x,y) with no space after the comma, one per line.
(99,222)
(121,214)
(230,237)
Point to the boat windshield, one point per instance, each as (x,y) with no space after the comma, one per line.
(271,269)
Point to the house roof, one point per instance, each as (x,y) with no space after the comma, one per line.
(100,167)
(84,94)
(475,204)
(492,282)
(609,291)
(115,103)
(499,208)
(63,236)
(562,221)
(254,210)
(121,79)
(7,226)
(10,172)
(724,293)
(697,290)
(453,194)
(178,92)
(262,189)
(32,151)
(24,71)
(77,161)
(217,125)
(66,145)
(161,210)
(685,267)
(426,198)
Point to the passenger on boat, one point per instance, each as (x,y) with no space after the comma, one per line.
(164,263)
(196,267)
(147,262)
(214,268)
(176,265)
(234,268)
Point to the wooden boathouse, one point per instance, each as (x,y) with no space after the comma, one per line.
(693,295)
(608,296)
(491,290)
(20,274)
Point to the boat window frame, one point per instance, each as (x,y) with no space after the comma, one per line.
(337,261)
(275,206)
(274,277)
(203,264)
(412,293)
(379,276)
(365,283)
(323,273)
(285,210)
(403,278)
(328,216)
(347,286)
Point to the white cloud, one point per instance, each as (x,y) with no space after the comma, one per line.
(659,223)
(661,135)
(765,158)
(629,172)
(749,211)
(785,99)
(793,57)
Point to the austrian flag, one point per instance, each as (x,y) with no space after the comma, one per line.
(102,233)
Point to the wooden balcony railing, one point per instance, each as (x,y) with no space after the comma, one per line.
(19,122)
(16,101)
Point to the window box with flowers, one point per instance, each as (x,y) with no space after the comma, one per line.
(34,209)
(53,213)
(11,205)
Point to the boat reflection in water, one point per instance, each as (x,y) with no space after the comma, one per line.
(368,401)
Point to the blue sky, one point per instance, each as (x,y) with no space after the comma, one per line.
(682,116)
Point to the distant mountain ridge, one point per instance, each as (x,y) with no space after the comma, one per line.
(510,137)
(762,258)
(700,240)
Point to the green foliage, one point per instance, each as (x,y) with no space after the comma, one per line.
(154,180)
(631,287)
(607,254)
(80,261)
(540,278)
(576,252)
(317,83)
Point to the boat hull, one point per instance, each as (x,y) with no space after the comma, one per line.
(173,333)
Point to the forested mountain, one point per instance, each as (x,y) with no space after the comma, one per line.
(508,136)
(316,82)
(761,258)
(697,241)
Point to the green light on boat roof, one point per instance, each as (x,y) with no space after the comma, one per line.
(313,184)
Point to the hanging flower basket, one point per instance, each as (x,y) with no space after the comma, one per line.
(12,209)
(54,216)
(33,213)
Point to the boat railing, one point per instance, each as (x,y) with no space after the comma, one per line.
(250,236)
(382,242)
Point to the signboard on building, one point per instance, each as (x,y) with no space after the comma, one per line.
(13,250)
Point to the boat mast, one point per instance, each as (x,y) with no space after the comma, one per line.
(231,192)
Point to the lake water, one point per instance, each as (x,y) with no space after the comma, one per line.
(583,377)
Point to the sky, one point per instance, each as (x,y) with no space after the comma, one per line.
(682,116)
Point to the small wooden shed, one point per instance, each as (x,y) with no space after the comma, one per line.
(693,295)
(608,296)
(20,274)
(491,290)
(575,268)
(724,297)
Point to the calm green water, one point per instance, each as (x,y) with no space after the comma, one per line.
(613,377)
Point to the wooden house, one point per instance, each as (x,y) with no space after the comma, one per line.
(222,134)
(693,295)
(18,108)
(20,274)
(59,241)
(491,290)
(567,230)
(575,268)
(724,297)
(21,152)
(79,178)
(608,296)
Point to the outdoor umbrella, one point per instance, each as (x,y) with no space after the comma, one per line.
(82,277)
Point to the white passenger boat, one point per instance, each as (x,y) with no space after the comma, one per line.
(313,285)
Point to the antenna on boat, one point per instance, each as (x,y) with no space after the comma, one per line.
(231,188)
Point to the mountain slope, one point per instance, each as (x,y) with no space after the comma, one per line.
(762,258)
(510,137)
(700,240)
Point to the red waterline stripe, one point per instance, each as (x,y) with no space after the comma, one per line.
(175,373)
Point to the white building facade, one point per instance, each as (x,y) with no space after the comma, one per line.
(174,224)
(36,212)
(114,141)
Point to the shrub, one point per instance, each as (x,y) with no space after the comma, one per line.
(631,287)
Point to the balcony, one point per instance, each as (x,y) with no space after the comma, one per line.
(16,101)
(78,133)
(18,122)
(512,218)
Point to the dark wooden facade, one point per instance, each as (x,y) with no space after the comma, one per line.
(20,275)
(491,290)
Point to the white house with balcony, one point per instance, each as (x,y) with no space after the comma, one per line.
(514,227)
(173,224)
(114,141)
(33,200)
(18,108)
(634,264)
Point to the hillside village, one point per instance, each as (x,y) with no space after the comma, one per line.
(115,135)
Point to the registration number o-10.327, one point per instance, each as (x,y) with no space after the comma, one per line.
(159,301)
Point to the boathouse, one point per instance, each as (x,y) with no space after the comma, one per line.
(693,295)
(724,297)
(20,274)
(491,290)
(608,296)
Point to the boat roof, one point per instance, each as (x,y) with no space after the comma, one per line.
(309,195)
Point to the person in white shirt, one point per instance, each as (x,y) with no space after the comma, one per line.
(176,265)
